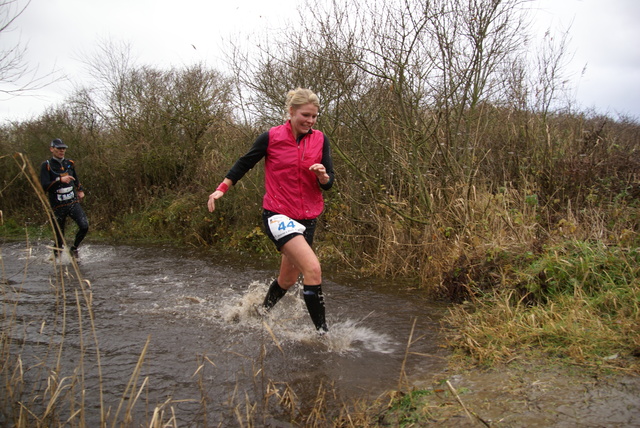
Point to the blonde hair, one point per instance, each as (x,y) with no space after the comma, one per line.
(300,96)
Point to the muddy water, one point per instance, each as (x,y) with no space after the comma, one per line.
(209,352)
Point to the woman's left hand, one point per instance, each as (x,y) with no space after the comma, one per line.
(321,172)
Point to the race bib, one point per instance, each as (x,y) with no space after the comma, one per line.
(66,197)
(65,194)
(281,225)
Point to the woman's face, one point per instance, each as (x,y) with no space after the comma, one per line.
(303,118)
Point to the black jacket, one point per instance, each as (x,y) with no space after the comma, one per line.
(60,194)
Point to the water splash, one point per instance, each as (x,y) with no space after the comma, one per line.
(289,322)
(88,254)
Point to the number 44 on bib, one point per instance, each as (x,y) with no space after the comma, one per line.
(281,225)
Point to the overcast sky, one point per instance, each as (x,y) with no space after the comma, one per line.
(605,69)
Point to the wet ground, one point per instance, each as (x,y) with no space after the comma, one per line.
(533,395)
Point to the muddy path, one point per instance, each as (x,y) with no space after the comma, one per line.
(526,395)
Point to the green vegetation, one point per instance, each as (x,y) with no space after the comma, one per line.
(576,301)
(457,167)
(407,410)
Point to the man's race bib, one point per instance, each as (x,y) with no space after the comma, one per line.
(65,194)
(281,225)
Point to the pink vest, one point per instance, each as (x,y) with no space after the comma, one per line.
(291,189)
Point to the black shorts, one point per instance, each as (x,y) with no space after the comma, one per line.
(289,227)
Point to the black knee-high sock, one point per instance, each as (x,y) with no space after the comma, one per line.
(274,294)
(315,305)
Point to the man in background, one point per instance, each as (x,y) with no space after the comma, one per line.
(60,180)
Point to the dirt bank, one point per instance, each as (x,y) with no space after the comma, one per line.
(523,395)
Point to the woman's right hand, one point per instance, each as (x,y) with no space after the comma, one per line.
(212,200)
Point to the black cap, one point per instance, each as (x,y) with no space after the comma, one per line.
(58,144)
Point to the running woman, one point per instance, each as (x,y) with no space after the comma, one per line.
(298,167)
